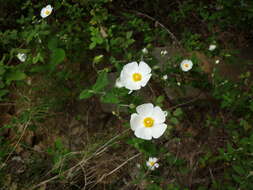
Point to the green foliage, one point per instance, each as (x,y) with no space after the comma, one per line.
(101,83)
(80,50)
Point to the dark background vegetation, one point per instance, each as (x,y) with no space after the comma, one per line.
(47,132)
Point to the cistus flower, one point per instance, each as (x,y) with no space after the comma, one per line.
(186,65)
(165,77)
(22,57)
(152,163)
(134,76)
(148,122)
(46,11)
(212,47)
(144,50)
(164,52)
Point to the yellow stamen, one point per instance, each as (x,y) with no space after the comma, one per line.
(148,122)
(47,12)
(152,163)
(137,77)
(186,65)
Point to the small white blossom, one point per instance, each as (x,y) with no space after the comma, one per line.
(217,61)
(165,77)
(155,67)
(46,11)
(22,57)
(186,65)
(148,122)
(152,163)
(178,83)
(144,50)
(212,47)
(164,52)
(134,76)
(118,83)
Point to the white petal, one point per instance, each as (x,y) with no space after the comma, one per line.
(143,133)
(144,68)
(144,50)
(42,13)
(130,67)
(184,62)
(49,7)
(129,84)
(158,130)
(145,109)
(158,115)
(22,57)
(135,121)
(156,165)
(212,47)
(155,159)
(145,80)
(165,77)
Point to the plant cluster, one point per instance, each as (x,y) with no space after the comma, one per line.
(169,74)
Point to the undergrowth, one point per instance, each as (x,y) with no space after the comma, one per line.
(109,94)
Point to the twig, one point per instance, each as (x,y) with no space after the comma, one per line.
(7,104)
(160,24)
(185,103)
(117,168)
(23,133)
(96,153)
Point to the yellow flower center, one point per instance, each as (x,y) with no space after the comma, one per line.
(47,12)
(148,122)
(137,77)
(186,65)
(152,163)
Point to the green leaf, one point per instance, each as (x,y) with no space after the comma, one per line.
(110,97)
(239,170)
(98,59)
(52,43)
(14,76)
(159,100)
(102,82)
(174,121)
(178,112)
(2,69)
(129,34)
(92,45)
(86,94)
(3,93)
(147,147)
(58,55)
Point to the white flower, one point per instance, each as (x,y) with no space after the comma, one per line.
(152,163)
(22,57)
(212,47)
(186,65)
(134,76)
(164,52)
(144,50)
(148,122)
(217,61)
(46,11)
(165,77)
